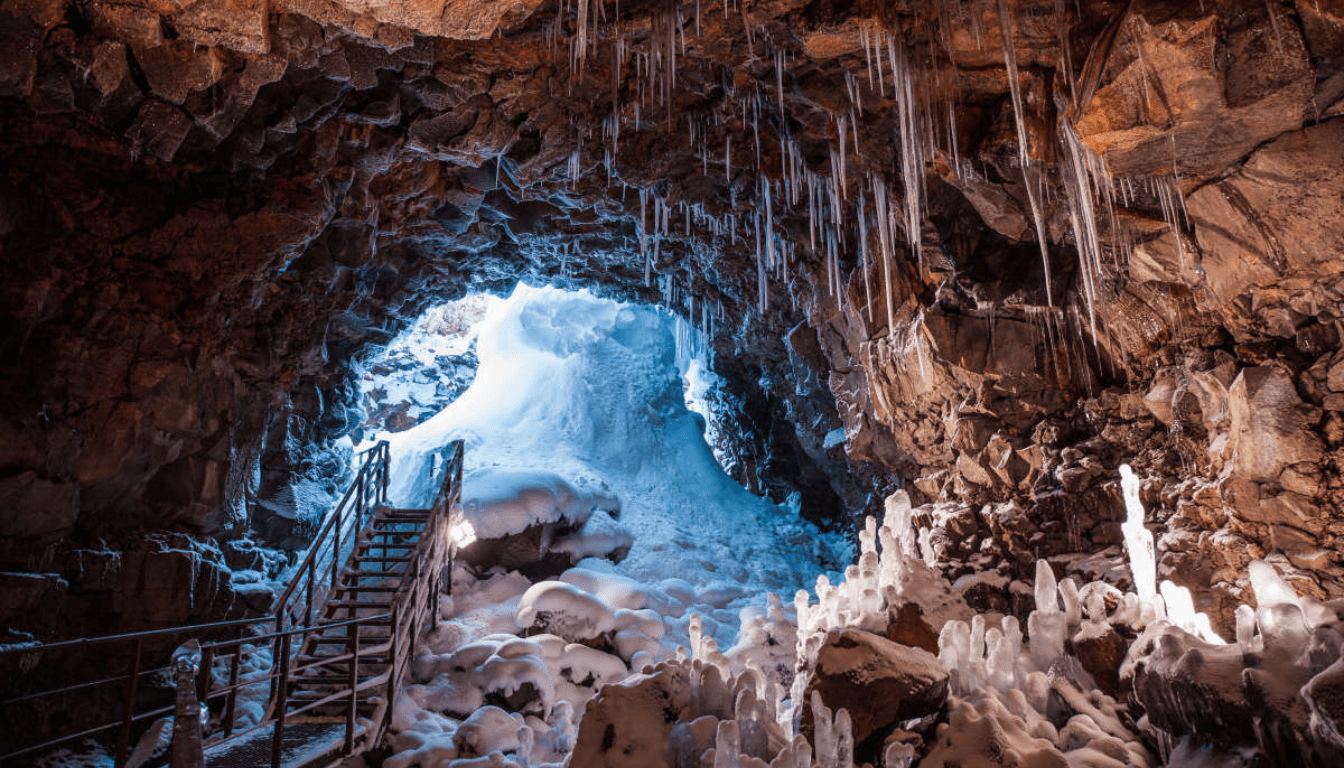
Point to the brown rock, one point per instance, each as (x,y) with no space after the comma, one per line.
(629,724)
(1270,429)
(908,627)
(1217,104)
(881,683)
(1101,650)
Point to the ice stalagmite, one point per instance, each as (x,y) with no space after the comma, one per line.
(1138,539)
(727,751)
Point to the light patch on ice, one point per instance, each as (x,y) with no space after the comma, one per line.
(462,533)
(833,438)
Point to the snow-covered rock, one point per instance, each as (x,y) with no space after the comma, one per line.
(879,682)
(565,610)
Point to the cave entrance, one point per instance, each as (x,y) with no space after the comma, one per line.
(434,362)
(572,399)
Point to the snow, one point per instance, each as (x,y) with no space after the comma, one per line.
(504,501)
(580,404)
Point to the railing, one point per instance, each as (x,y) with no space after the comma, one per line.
(317,575)
(128,683)
(293,617)
(417,598)
(282,672)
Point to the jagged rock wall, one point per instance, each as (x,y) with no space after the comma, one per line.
(210,210)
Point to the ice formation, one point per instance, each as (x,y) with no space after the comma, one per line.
(578,402)
(514,668)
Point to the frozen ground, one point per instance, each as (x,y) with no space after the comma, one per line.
(590,390)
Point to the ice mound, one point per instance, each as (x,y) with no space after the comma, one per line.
(498,501)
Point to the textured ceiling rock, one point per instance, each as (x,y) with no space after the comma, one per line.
(1189,92)
(210,213)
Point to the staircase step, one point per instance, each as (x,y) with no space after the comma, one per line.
(371,574)
(364,659)
(387,559)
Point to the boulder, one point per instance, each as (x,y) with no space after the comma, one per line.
(1101,650)
(882,684)
(1188,687)
(629,725)
(908,627)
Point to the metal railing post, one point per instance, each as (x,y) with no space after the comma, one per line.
(354,689)
(308,600)
(132,690)
(231,699)
(281,700)
(203,680)
(359,495)
(387,467)
(393,658)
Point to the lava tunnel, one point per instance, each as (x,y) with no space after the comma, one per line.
(738,383)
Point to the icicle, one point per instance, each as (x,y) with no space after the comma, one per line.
(840,123)
(1029,177)
(864,258)
(581,41)
(913,149)
(644,237)
(728,161)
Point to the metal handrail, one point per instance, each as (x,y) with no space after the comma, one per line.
(368,490)
(148,634)
(210,650)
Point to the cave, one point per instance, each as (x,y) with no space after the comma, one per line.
(726,383)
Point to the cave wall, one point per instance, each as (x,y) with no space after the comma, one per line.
(210,211)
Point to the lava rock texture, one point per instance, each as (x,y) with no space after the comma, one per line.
(998,246)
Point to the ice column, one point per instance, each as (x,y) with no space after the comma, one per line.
(1138,540)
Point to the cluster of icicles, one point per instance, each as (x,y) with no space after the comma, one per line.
(747,713)
(866,216)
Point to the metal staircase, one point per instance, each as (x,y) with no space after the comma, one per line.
(340,641)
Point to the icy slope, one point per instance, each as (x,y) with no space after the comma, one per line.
(588,388)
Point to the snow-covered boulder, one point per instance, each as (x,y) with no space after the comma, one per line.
(562,609)
(489,729)
(536,522)
(985,734)
(879,682)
